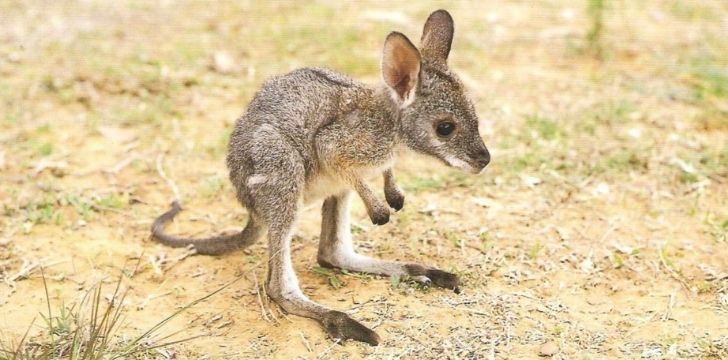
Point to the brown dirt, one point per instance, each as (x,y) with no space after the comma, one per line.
(600,225)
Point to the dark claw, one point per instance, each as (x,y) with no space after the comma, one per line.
(444,279)
(341,326)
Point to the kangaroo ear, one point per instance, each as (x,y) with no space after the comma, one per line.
(401,67)
(437,36)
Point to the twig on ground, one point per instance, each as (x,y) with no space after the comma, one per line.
(668,311)
(260,300)
(156,266)
(149,298)
(472,311)
(114,170)
(164,176)
(189,251)
(638,326)
(271,313)
(328,349)
(162,263)
(116,211)
(305,342)
(27,268)
(612,226)
(672,272)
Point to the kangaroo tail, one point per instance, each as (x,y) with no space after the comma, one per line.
(214,245)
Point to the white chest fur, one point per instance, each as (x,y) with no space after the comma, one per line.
(328,183)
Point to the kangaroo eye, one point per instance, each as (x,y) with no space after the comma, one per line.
(445,128)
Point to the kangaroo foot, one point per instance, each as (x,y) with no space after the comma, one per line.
(341,326)
(435,277)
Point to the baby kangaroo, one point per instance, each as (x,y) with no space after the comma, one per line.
(315,134)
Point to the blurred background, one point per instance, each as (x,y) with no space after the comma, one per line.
(604,204)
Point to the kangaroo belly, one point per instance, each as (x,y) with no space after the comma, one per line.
(323,186)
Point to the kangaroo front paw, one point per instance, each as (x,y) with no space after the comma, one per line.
(380,216)
(395,199)
(341,326)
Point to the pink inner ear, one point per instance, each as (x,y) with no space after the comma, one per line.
(401,65)
(401,86)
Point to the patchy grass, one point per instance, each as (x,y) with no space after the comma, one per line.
(329,275)
(598,225)
(89,329)
(544,128)
(711,80)
(624,160)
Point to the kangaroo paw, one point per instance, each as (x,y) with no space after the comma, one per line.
(341,326)
(380,216)
(395,199)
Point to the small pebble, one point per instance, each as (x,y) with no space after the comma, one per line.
(548,349)
(222,63)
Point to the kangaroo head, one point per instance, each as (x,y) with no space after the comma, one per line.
(437,117)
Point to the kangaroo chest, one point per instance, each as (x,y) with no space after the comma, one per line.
(326,183)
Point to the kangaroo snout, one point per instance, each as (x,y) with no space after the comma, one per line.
(481,159)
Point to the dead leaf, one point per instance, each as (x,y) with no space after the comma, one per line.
(484,202)
(635,132)
(117,135)
(601,190)
(587,265)
(530,181)
(625,249)
(564,233)
(684,166)
(430,209)
(222,62)
(47,164)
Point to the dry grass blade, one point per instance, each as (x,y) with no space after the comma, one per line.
(673,273)
(172,185)
(87,330)
(136,343)
(49,320)
(8,351)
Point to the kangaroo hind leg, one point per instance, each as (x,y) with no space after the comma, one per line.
(336,250)
(277,203)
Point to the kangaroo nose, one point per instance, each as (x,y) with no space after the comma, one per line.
(483,158)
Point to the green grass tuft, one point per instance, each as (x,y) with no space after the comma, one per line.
(45,149)
(710,80)
(90,329)
(112,201)
(330,276)
(545,128)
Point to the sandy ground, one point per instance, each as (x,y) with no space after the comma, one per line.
(598,229)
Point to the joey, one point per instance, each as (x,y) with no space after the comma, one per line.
(317,135)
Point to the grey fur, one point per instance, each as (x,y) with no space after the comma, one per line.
(315,134)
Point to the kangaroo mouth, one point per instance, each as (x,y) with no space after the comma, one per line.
(471,165)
